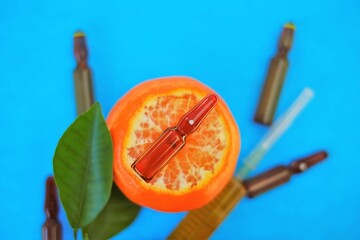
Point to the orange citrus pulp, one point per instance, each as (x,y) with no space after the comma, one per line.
(199,171)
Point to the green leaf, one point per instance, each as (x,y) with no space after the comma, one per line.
(118,213)
(83,167)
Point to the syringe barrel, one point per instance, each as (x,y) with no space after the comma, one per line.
(202,222)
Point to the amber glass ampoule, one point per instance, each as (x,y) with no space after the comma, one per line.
(82,75)
(275,78)
(51,230)
(172,140)
(201,223)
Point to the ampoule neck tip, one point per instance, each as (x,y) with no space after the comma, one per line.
(323,154)
(51,205)
(290,25)
(213,98)
(79,34)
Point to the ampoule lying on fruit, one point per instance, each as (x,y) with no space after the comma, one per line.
(172,140)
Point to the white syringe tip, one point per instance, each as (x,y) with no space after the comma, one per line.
(308,92)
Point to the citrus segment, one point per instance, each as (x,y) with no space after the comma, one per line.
(198,171)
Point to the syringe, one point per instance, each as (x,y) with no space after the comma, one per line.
(275,132)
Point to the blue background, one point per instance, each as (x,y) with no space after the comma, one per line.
(225,44)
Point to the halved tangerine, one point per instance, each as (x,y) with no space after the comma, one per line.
(199,171)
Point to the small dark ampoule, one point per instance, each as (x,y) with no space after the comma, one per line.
(275,78)
(51,230)
(82,75)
